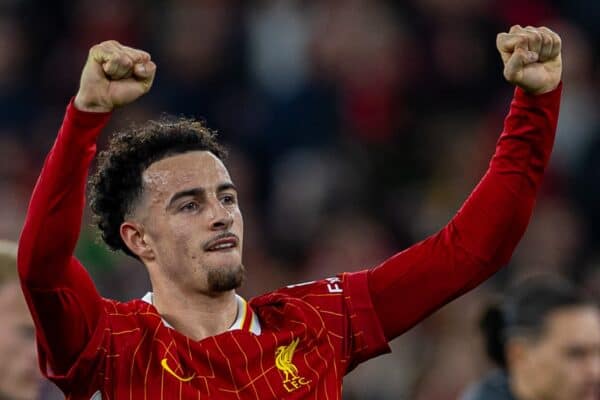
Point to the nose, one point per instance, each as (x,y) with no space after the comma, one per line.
(221,218)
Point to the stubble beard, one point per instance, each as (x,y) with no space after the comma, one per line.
(225,279)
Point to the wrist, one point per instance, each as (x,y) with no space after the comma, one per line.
(82,104)
(542,90)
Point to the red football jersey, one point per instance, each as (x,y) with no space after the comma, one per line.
(310,334)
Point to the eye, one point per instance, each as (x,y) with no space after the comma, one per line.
(228,199)
(190,206)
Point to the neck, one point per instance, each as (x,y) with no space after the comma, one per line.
(196,315)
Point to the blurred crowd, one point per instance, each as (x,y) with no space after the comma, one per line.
(355,129)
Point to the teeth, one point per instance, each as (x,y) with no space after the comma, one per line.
(223,246)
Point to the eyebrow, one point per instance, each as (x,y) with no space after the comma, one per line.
(226,186)
(195,192)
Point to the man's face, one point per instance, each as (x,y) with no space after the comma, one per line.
(191,220)
(564,364)
(19,373)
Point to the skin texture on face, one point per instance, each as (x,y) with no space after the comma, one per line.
(564,363)
(189,202)
(19,373)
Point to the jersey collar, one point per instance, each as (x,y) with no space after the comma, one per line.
(245,319)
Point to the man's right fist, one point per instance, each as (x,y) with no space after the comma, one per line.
(113,75)
(532,58)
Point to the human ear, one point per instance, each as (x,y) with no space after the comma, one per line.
(132,234)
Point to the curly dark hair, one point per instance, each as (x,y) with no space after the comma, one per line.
(117,183)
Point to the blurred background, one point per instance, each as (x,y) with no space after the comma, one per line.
(355,129)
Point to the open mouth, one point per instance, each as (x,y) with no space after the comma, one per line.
(222,242)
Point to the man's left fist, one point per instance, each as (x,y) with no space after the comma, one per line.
(532,58)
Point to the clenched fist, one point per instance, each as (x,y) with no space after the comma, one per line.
(113,75)
(531,58)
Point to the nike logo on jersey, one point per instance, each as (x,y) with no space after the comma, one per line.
(165,365)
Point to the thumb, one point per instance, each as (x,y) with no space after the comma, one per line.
(513,69)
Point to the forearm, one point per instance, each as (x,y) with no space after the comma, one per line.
(55,211)
(482,236)
(63,300)
(495,216)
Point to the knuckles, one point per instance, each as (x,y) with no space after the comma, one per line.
(115,52)
(104,45)
(110,43)
(538,39)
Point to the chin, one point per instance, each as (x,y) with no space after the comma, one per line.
(226,278)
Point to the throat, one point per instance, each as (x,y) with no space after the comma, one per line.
(198,317)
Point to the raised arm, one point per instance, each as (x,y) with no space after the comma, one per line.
(64,303)
(481,237)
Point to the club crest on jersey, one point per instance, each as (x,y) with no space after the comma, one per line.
(283,362)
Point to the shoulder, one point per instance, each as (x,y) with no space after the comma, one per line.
(303,301)
(134,306)
(330,292)
(328,286)
(312,292)
(327,301)
(131,313)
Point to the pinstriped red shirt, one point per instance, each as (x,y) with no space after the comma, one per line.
(133,354)
(310,334)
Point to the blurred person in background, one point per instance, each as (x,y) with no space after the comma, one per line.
(163,196)
(19,372)
(546,340)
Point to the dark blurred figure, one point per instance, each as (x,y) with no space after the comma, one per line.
(16,98)
(546,340)
(19,375)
